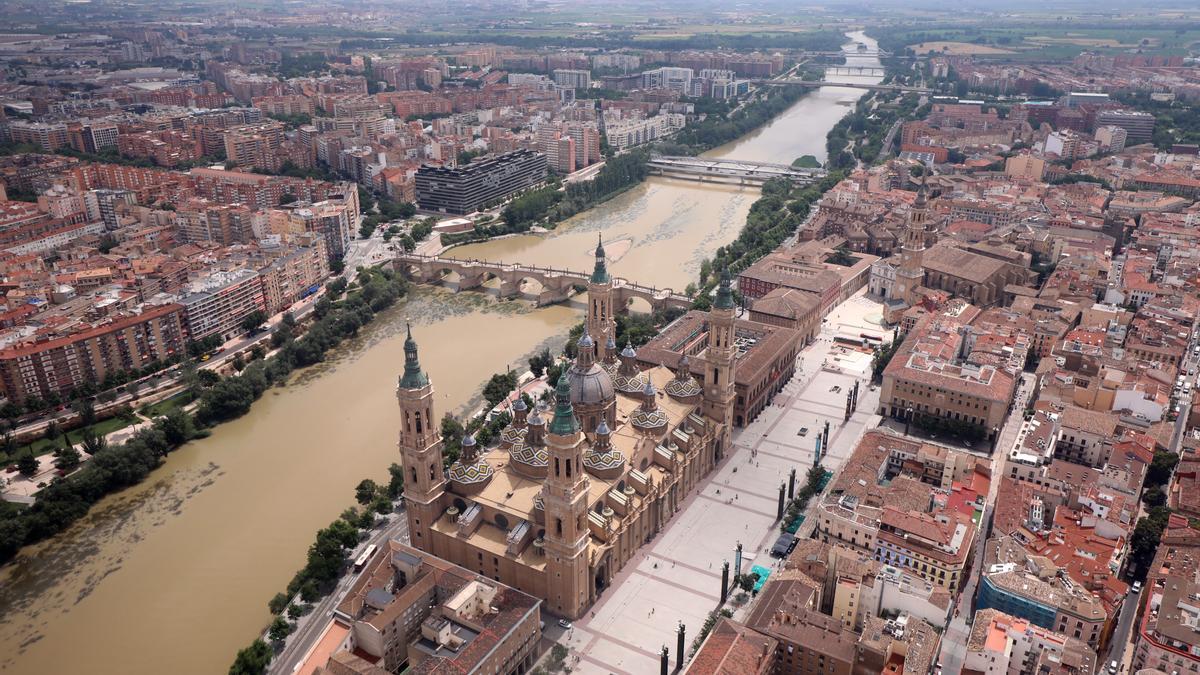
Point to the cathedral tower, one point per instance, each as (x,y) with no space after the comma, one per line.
(565,494)
(420,449)
(601,322)
(719,366)
(911,273)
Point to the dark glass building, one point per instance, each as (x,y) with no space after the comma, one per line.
(468,188)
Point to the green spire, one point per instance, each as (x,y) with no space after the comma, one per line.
(600,272)
(564,422)
(413,377)
(724,293)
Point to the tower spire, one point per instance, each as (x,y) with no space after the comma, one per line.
(414,377)
(564,422)
(600,271)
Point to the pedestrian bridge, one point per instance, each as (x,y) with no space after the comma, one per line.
(729,170)
(556,285)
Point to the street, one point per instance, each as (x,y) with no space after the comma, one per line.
(310,626)
(954,641)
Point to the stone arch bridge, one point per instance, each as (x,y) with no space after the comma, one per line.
(557,285)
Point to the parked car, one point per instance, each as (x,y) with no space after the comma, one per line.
(563,623)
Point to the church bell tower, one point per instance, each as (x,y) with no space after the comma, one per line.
(420,449)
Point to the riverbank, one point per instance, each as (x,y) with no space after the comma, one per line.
(114,468)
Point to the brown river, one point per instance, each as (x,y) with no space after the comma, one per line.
(174,575)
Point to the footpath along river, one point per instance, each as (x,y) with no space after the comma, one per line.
(174,575)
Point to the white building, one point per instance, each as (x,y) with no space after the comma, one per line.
(883,275)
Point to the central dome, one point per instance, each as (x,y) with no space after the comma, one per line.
(590,384)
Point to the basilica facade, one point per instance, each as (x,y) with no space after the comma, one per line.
(573,489)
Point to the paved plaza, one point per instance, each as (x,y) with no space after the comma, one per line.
(677,576)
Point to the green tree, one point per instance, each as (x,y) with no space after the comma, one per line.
(27,464)
(85,410)
(252,660)
(253,320)
(67,459)
(277,603)
(498,387)
(395,486)
(365,492)
(538,363)
(93,443)
(280,629)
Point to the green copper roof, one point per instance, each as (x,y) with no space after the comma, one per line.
(413,377)
(724,293)
(600,273)
(564,422)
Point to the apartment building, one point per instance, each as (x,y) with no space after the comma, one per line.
(59,365)
(294,275)
(217,304)
(254,145)
(572,79)
(1031,587)
(1000,644)
(627,134)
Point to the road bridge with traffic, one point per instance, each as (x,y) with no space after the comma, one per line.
(729,170)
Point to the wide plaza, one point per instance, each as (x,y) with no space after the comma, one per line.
(677,576)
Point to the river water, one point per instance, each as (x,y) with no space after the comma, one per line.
(174,575)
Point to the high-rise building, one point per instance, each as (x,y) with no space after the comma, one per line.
(574,79)
(1111,138)
(1138,126)
(466,189)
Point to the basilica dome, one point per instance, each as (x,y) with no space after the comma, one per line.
(591,385)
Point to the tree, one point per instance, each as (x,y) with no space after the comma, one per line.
(296,611)
(93,443)
(52,431)
(280,629)
(381,504)
(27,464)
(538,363)
(1161,467)
(1154,496)
(254,320)
(277,603)
(85,410)
(252,660)
(365,492)
(498,387)
(395,486)
(67,459)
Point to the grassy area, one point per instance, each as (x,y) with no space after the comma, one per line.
(43,446)
(1049,41)
(168,404)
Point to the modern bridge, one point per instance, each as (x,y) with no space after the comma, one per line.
(798,82)
(729,170)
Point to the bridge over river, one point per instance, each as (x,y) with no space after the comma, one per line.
(729,170)
(557,285)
